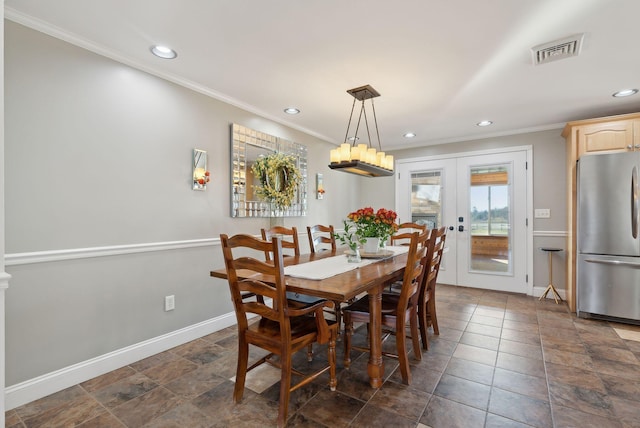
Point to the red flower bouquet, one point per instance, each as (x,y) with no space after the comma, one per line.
(374,224)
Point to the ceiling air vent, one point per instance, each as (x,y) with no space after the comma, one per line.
(558,49)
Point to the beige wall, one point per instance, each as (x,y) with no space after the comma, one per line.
(98,161)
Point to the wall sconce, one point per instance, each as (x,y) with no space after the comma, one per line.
(319,186)
(200,173)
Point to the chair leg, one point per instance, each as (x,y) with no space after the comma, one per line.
(433,317)
(333,382)
(422,320)
(241,370)
(348,332)
(310,352)
(285,389)
(413,323)
(401,348)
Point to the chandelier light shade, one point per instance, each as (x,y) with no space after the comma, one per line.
(362,159)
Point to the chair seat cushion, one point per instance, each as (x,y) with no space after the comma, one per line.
(300,327)
(389,305)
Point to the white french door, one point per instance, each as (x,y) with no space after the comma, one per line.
(425,193)
(482,199)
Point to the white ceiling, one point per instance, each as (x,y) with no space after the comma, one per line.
(441,66)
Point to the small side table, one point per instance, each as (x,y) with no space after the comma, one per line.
(551,287)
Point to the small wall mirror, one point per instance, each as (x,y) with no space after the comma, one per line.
(247,145)
(200,171)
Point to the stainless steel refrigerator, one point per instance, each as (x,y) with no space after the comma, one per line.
(608,265)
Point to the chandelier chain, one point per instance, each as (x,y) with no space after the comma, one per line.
(349,124)
(366,122)
(375,119)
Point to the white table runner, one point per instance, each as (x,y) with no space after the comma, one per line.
(326,268)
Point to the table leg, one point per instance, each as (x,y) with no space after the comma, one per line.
(375,367)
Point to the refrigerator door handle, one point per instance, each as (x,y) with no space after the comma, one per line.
(634,202)
(614,262)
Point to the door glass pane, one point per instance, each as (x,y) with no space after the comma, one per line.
(490,249)
(426,198)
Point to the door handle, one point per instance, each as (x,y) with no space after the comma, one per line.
(634,203)
(461,228)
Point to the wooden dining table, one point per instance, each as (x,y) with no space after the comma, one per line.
(370,278)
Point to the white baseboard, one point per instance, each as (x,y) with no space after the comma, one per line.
(41,386)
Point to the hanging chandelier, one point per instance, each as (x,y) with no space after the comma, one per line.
(362,159)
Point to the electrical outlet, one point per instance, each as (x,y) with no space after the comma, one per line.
(542,213)
(169,303)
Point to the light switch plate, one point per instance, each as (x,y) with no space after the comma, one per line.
(542,213)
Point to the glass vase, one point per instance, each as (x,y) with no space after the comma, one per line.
(276,216)
(383,243)
(353,256)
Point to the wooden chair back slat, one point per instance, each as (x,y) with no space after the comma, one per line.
(289,239)
(439,236)
(320,234)
(405,230)
(427,299)
(276,291)
(413,273)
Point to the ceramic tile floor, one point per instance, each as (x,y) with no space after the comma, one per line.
(501,360)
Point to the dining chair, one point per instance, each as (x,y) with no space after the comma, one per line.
(402,237)
(280,329)
(427,302)
(395,313)
(403,234)
(291,241)
(278,231)
(295,299)
(427,294)
(319,235)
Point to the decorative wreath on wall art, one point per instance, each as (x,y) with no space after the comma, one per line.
(279,178)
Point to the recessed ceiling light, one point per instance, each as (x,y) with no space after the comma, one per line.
(409,135)
(625,93)
(163,52)
(353,138)
(484,123)
(291,110)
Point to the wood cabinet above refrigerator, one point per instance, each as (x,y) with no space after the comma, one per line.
(585,137)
